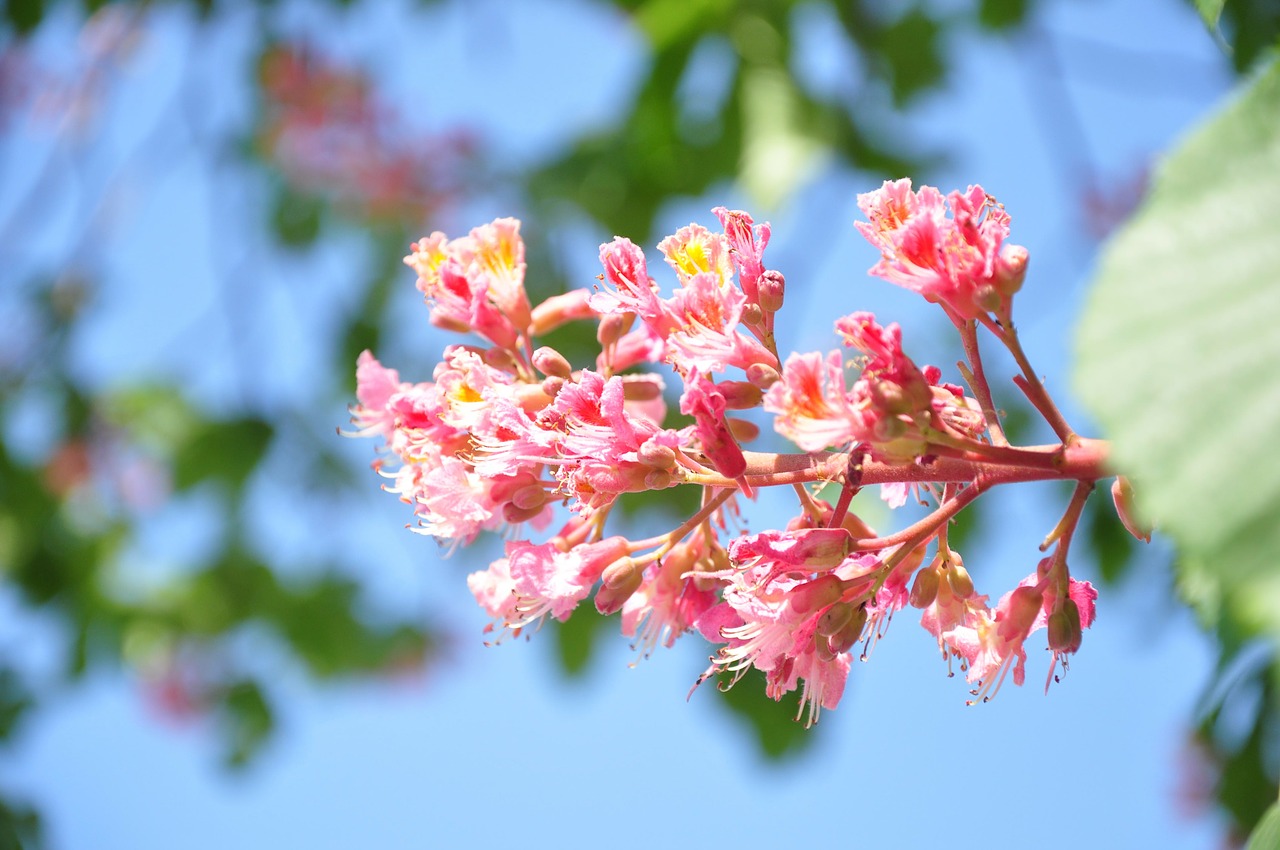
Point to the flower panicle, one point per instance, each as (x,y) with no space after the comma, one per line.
(511,436)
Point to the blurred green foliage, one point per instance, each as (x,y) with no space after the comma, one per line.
(1201,359)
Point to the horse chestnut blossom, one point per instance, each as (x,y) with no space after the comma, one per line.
(510,436)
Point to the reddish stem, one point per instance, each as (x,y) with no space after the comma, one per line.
(1029,382)
(977,380)
(1083,460)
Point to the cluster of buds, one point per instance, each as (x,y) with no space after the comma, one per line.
(509,436)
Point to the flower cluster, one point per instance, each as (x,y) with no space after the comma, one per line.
(509,436)
(322,125)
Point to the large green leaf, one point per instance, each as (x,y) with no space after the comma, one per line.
(1210,10)
(1180,343)
(1267,835)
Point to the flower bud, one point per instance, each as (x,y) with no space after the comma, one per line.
(742,430)
(504,489)
(716,561)
(500,358)
(641,387)
(855,525)
(1011,268)
(620,573)
(618,582)
(445,323)
(1024,607)
(771,288)
(1064,628)
(850,633)
(552,386)
(613,327)
(987,298)
(516,515)
(762,375)
(532,496)
(682,559)
(890,397)
(1126,509)
(835,618)
(752,315)
(531,397)
(924,590)
(960,581)
(812,595)
(656,455)
(552,363)
(886,429)
(740,395)
(559,309)
(658,479)
(816,548)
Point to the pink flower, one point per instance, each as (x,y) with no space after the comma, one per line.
(763,626)
(476,282)
(668,602)
(375,386)
(813,406)
(893,383)
(633,291)
(706,312)
(955,261)
(995,644)
(549,579)
(746,247)
(706,404)
(693,250)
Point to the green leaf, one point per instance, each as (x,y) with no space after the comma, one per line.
(912,47)
(248,721)
(15,701)
(1267,835)
(576,637)
(1002,14)
(296,217)
(1210,11)
(24,15)
(226,452)
(20,826)
(777,153)
(667,22)
(1178,344)
(774,723)
(1252,27)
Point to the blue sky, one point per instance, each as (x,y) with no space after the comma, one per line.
(494,746)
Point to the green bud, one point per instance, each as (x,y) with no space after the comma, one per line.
(960,581)
(1064,628)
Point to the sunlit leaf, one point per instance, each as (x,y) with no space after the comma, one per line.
(1267,834)
(776,154)
(1178,344)
(1210,11)
(668,21)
